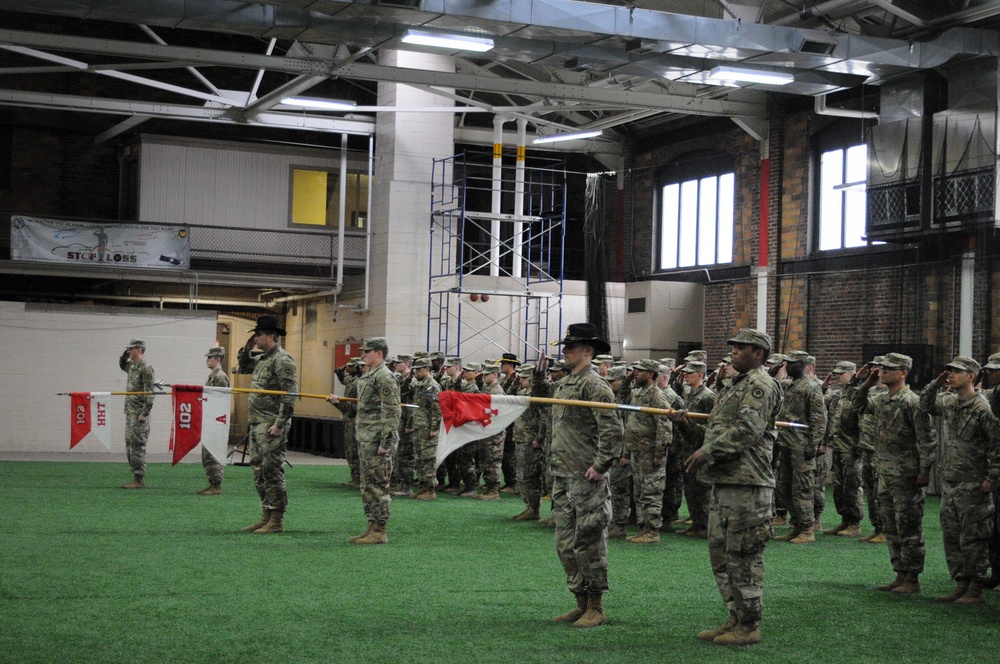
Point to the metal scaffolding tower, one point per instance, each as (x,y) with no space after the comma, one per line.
(496,278)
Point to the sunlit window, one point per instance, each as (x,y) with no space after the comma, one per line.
(316,198)
(842,198)
(696,221)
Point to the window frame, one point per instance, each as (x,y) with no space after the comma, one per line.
(355,168)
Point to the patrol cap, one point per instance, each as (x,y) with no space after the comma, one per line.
(897,360)
(404,358)
(391,359)
(490,369)
(421,363)
(216,351)
(665,369)
(797,356)
(437,355)
(646,365)
(137,343)
(620,363)
(420,353)
(695,366)
(993,363)
(601,359)
(355,361)
(453,362)
(774,358)
(668,362)
(844,366)
(962,363)
(753,338)
(697,356)
(811,360)
(878,359)
(557,365)
(726,360)
(374,343)
(615,373)
(524,371)
(472,366)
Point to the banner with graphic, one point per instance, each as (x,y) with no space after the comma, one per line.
(89,414)
(102,245)
(201,415)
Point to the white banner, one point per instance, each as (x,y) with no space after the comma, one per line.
(109,245)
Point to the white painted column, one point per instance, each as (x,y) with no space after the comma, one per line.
(496,184)
(522,131)
(966,302)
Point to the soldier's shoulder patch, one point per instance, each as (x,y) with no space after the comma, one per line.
(757,393)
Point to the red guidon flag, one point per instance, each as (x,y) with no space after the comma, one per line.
(89,413)
(466,418)
(201,415)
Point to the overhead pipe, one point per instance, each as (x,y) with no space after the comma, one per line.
(820,108)
(816,11)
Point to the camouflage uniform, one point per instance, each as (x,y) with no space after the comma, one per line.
(214,468)
(426,422)
(843,443)
(491,449)
(465,456)
(274,370)
(905,446)
(738,445)
(647,439)
(581,438)
(621,478)
(673,488)
(140,379)
(797,450)
(403,460)
(377,426)
(971,454)
(697,492)
(349,410)
(529,431)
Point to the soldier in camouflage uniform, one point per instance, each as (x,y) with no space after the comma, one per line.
(467,454)
(620,476)
(511,383)
(865,423)
(491,449)
(673,489)
(378,436)
(137,408)
(555,373)
(403,461)
(691,437)
(348,376)
(647,439)
(737,452)
(426,422)
(970,470)
(802,403)
(822,472)
(270,417)
(581,455)
(843,441)
(529,434)
(451,379)
(905,450)
(214,468)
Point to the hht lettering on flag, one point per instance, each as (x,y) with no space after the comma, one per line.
(89,413)
(466,418)
(201,416)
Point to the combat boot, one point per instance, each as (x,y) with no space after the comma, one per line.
(137,483)
(276,524)
(974,595)
(852,530)
(212,490)
(376,536)
(910,585)
(491,494)
(780,520)
(724,628)
(963,585)
(616,531)
(551,522)
(787,537)
(646,536)
(352,484)
(355,538)
(836,529)
(510,488)
(264,518)
(575,614)
(878,538)
(892,585)
(697,532)
(403,490)
(528,515)
(817,526)
(470,491)
(805,537)
(453,489)
(744,634)
(426,494)
(595,612)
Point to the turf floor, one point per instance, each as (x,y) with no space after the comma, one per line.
(92,573)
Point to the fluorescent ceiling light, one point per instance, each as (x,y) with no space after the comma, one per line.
(575,136)
(452,42)
(751,76)
(321,104)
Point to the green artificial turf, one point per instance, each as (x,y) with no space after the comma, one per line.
(90,572)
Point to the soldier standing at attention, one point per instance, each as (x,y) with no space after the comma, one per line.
(348,376)
(691,432)
(802,403)
(529,433)
(214,468)
(647,439)
(511,383)
(905,450)
(620,476)
(137,407)
(737,452)
(426,421)
(270,417)
(491,449)
(843,441)
(377,431)
(583,450)
(970,471)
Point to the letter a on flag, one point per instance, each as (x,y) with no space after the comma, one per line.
(201,415)
(89,413)
(466,418)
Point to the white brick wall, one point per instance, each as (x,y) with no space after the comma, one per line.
(46,349)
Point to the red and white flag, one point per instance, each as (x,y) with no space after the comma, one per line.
(89,413)
(201,415)
(466,418)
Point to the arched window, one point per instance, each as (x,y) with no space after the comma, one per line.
(697,194)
